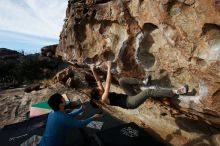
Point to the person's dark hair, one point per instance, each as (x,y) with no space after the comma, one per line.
(95,94)
(54,101)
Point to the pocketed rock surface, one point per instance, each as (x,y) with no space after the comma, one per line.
(176,41)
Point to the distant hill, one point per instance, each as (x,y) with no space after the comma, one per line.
(7,53)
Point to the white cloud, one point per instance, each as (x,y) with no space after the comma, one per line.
(41,18)
(20,41)
(30,24)
(6,36)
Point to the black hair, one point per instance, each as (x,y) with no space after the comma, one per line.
(55,101)
(95,94)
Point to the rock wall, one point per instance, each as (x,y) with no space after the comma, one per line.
(176,41)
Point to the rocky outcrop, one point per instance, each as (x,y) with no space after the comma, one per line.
(31,88)
(74,77)
(176,41)
(49,51)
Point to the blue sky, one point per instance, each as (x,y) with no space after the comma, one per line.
(29,25)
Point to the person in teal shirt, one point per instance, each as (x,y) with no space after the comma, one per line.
(59,122)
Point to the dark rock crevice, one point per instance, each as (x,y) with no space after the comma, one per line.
(143,56)
(79,30)
(207,27)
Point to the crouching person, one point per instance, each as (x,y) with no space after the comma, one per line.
(59,122)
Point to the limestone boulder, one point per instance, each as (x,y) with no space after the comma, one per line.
(176,41)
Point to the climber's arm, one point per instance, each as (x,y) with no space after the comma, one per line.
(107,86)
(98,80)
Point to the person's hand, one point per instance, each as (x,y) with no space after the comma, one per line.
(81,109)
(75,103)
(109,64)
(97,116)
(92,66)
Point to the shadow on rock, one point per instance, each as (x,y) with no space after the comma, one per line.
(205,141)
(191,125)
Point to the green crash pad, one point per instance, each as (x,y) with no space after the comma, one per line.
(43,104)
